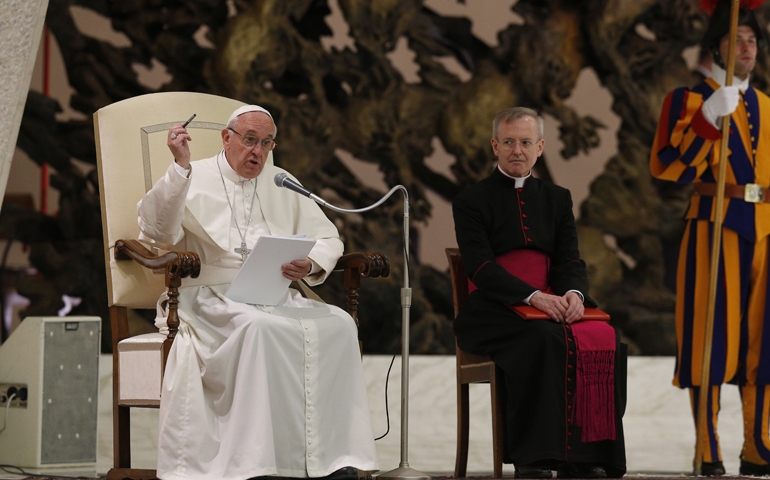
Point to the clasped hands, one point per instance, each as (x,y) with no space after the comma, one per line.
(563,309)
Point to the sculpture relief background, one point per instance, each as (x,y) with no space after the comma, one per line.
(343,106)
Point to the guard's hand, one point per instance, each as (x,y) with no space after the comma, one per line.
(575,309)
(554,305)
(297,270)
(722,102)
(177,143)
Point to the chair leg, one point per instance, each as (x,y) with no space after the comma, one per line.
(122,449)
(461,460)
(121,416)
(498,425)
(122,437)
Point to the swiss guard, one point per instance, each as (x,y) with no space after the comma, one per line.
(687,150)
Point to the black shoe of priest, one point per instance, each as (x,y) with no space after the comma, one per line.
(529,471)
(580,470)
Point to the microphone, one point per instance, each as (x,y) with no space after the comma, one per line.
(283,180)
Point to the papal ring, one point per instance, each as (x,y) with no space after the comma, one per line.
(173,136)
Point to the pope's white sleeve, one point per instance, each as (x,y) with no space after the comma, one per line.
(325,253)
(161,210)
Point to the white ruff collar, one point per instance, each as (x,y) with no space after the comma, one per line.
(718,74)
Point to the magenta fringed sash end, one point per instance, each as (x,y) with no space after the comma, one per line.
(594,402)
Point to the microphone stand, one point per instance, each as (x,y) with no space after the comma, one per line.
(403,470)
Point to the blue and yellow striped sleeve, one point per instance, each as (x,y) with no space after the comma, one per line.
(684,139)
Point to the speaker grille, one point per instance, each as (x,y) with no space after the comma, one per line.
(70,392)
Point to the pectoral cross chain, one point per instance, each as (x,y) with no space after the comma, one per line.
(243,251)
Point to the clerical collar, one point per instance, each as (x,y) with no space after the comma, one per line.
(519,180)
(719,75)
(227,170)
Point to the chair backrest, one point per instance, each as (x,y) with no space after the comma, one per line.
(131,156)
(459,278)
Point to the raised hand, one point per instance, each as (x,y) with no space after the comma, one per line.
(177,143)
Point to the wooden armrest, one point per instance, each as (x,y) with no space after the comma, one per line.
(368,264)
(177,264)
(356,266)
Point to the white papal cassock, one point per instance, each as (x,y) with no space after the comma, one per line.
(253,390)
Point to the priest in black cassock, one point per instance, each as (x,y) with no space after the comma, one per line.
(565,378)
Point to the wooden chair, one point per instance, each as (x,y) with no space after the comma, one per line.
(474,369)
(131,156)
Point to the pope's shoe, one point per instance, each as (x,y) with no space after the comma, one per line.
(344,473)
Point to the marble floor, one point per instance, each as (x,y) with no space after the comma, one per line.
(659,430)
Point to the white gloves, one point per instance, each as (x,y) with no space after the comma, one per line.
(722,102)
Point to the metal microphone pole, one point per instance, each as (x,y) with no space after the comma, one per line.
(403,470)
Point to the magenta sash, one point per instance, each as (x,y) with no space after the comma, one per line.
(530,266)
(594,402)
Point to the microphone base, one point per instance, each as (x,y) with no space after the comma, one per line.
(405,473)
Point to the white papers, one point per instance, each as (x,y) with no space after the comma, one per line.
(260,280)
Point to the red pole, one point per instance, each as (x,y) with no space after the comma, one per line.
(46,92)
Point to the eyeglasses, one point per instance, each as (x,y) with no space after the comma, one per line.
(508,144)
(250,141)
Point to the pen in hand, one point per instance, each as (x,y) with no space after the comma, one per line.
(189,120)
(173,135)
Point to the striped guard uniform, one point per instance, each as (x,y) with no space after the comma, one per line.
(686,150)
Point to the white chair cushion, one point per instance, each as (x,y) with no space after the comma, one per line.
(140,359)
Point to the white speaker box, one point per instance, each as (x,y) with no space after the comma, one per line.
(49,390)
